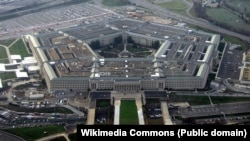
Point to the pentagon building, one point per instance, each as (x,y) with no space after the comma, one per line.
(183,60)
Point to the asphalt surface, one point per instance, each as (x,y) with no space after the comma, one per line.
(215,109)
(9,137)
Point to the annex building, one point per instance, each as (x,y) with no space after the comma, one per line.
(182,61)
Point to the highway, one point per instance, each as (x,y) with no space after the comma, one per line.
(194,21)
(235,89)
(216,109)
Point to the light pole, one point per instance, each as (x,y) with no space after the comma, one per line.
(224,115)
(209,99)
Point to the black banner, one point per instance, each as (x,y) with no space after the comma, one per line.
(175,132)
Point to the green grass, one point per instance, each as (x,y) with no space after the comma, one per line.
(3,53)
(7,42)
(204,100)
(115,2)
(33,133)
(5,61)
(7,75)
(177,6)
(102,103)
(189,0)
(128,113)
(226,17)
(19,48)
(239,4)
(192,12)
(136,50)
(235,40)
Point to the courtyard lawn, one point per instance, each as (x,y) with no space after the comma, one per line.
(33,133)
(3,53)
(128,113)
(19,48)
(7,42)
(4,61)
(7,75)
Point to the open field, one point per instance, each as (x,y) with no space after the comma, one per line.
(228,18)
(19,48)
(115,2)
(128,113)
(7,75)
(177,6)
(5,60)
(33,133)
(7,42)
(3,53)
(241,5)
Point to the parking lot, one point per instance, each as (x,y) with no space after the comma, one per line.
(230,64)
(54,18)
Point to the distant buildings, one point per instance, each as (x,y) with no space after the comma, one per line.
(210,3)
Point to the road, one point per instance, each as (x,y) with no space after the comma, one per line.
(215,109)
(54,136)
(191,20)
(14,84)
(9,137)
(235,89)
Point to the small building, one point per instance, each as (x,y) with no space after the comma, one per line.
(1,85)
(29,61)
(36,96)
(33,69)
(21,75)
(210,3)
(15,58)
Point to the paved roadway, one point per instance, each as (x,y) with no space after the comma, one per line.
(14,84)
(235,89)
(215,109)
(195,21)
(54,136)
(9,137)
